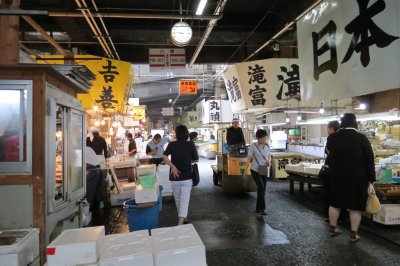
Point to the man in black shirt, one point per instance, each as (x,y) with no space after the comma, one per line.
(132,145)
(234,134)
(98,144)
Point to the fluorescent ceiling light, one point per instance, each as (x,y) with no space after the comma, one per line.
(201,6)
(387,116)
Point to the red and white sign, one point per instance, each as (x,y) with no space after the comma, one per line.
(166,59)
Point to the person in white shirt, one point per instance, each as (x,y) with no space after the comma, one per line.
(155,148)
(259,155)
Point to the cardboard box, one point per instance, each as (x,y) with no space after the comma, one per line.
(178,246)
(389,214)
(23,251)
(127,249)
(76,246)
(117,199)
(147,194)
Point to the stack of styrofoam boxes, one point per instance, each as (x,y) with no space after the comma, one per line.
(178,246)
(127,249)
(312,169)
(23,251)
(145,195)
(295,167)
(163,179)
(76,247)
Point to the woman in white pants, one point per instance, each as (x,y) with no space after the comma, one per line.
(182,152)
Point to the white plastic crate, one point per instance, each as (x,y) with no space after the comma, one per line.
(76,246)
(24,250)
(127,249)
(178,246)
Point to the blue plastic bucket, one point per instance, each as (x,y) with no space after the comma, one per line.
(143,218)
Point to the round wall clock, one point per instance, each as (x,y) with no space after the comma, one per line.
(181,33)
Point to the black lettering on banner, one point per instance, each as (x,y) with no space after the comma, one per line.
(292,82)
(331,64)
(364,27)
(256,74)
(109,74)
(257,95)
(106,98)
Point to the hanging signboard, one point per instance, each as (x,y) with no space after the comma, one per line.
(167,111)
(166,59)
(264,84)
(113,78)
(188,86)
(137,112)
(349,48)
(214,111)
(191,119)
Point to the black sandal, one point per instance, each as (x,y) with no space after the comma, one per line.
(334,231)
(354,237)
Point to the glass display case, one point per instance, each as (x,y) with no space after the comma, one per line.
(16,127)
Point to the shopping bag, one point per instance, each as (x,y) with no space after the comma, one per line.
(263,170)
(373,204)
(195,174)
(324,172)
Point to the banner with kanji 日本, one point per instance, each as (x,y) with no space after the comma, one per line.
(113,78)
(349,48)
(265,83)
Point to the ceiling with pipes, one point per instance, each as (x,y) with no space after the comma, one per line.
(227,32)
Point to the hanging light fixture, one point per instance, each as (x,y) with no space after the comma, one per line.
(299,117)
(103,122)
(321,110)
(287,119)
(97,123)
(95,108)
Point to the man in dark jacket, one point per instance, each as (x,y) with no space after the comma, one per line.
(234,134)
(98,144)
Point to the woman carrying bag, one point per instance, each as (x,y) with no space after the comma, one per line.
(260,157)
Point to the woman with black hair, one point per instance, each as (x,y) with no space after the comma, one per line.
(352,168)
(182,152)
(259,155)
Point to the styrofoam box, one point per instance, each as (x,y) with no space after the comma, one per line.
(76,246)
(128,186)
(147,194)
(127,249)
(163,180)
(289,167)
(147,169)
(313,169)
(119,198)
(163,168)
(389,214)
(178,246)
(23,251)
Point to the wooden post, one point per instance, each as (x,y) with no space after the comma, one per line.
(9,27)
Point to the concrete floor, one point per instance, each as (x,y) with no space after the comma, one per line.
(293,233)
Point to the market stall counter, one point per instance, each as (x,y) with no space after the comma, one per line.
(281,159)
(302,178)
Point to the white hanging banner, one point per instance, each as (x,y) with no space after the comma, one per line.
(349,48)
(264,84)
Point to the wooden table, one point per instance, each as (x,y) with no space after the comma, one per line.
(302,178)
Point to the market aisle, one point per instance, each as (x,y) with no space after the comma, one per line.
(293,232)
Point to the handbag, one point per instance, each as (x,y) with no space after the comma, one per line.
(373,204)
(324,172)
(195,174)
(262,169)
